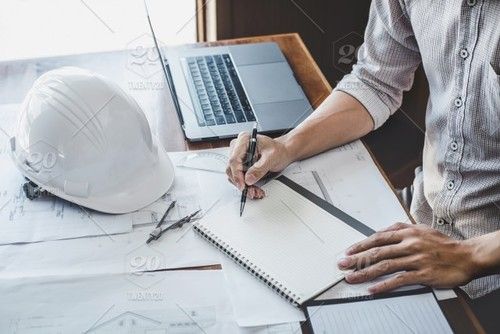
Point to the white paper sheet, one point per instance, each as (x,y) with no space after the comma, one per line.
(124,253)
(444,294)
(179,302)
(50,218)
(186,191)
(345,290)
(47,218)
(284,237)
(247,294)
(22,220)
(344,175)
(406,314)
(341,176)
(348,178)
(254,303)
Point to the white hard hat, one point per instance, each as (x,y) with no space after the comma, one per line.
(82,138)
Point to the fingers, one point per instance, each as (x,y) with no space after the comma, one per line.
(269,156)
(236,177)
(396,227)
(399,280)
(255,192)
(372,256)
(258,170)
(238,153)
(376,240)
(381,268)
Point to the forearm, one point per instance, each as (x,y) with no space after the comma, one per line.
(338,120)
(485,254)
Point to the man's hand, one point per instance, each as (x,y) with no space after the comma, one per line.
(421,254)
(271,156)
(339,119)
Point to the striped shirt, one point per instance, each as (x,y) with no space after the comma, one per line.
(457,190)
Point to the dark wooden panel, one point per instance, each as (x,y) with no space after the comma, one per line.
(322,24)
(332,30)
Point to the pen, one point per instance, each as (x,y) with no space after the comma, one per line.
(249,162)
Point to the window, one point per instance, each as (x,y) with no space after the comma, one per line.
(44,28)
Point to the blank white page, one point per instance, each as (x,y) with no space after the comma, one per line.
(405,314)
(285,236)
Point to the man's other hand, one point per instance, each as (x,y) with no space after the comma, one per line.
(418,253)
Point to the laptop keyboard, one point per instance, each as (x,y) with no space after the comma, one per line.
(219,91)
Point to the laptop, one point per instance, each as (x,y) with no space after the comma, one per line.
(223,90)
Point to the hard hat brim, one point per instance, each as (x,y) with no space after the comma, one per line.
(143,189)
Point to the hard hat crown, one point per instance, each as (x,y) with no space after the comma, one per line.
(83,138)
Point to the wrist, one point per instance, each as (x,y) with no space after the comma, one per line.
(478,256)
(289,147)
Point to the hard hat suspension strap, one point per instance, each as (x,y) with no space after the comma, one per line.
(32,190)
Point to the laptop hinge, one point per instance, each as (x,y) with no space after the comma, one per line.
(171,87)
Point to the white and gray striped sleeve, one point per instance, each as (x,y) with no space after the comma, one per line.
(386,61)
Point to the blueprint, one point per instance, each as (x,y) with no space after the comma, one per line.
(50,218)
(178,302)
(47,218)
(348,178)
(45,288)
(125,253)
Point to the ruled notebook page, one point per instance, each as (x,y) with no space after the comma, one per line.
(287,237)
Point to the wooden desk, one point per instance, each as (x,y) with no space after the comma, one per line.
(150,90)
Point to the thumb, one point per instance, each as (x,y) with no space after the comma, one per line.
(258,170)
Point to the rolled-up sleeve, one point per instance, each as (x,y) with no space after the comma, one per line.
(386,63)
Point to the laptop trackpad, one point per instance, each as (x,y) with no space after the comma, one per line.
(268,83)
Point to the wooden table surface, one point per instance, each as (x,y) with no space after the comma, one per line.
(146,83)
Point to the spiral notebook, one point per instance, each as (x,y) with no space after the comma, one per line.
(291,240)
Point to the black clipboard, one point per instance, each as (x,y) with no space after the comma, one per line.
(385,295)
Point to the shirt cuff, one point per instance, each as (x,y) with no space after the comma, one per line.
(367,96)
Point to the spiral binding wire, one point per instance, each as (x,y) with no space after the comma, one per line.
(275,285)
